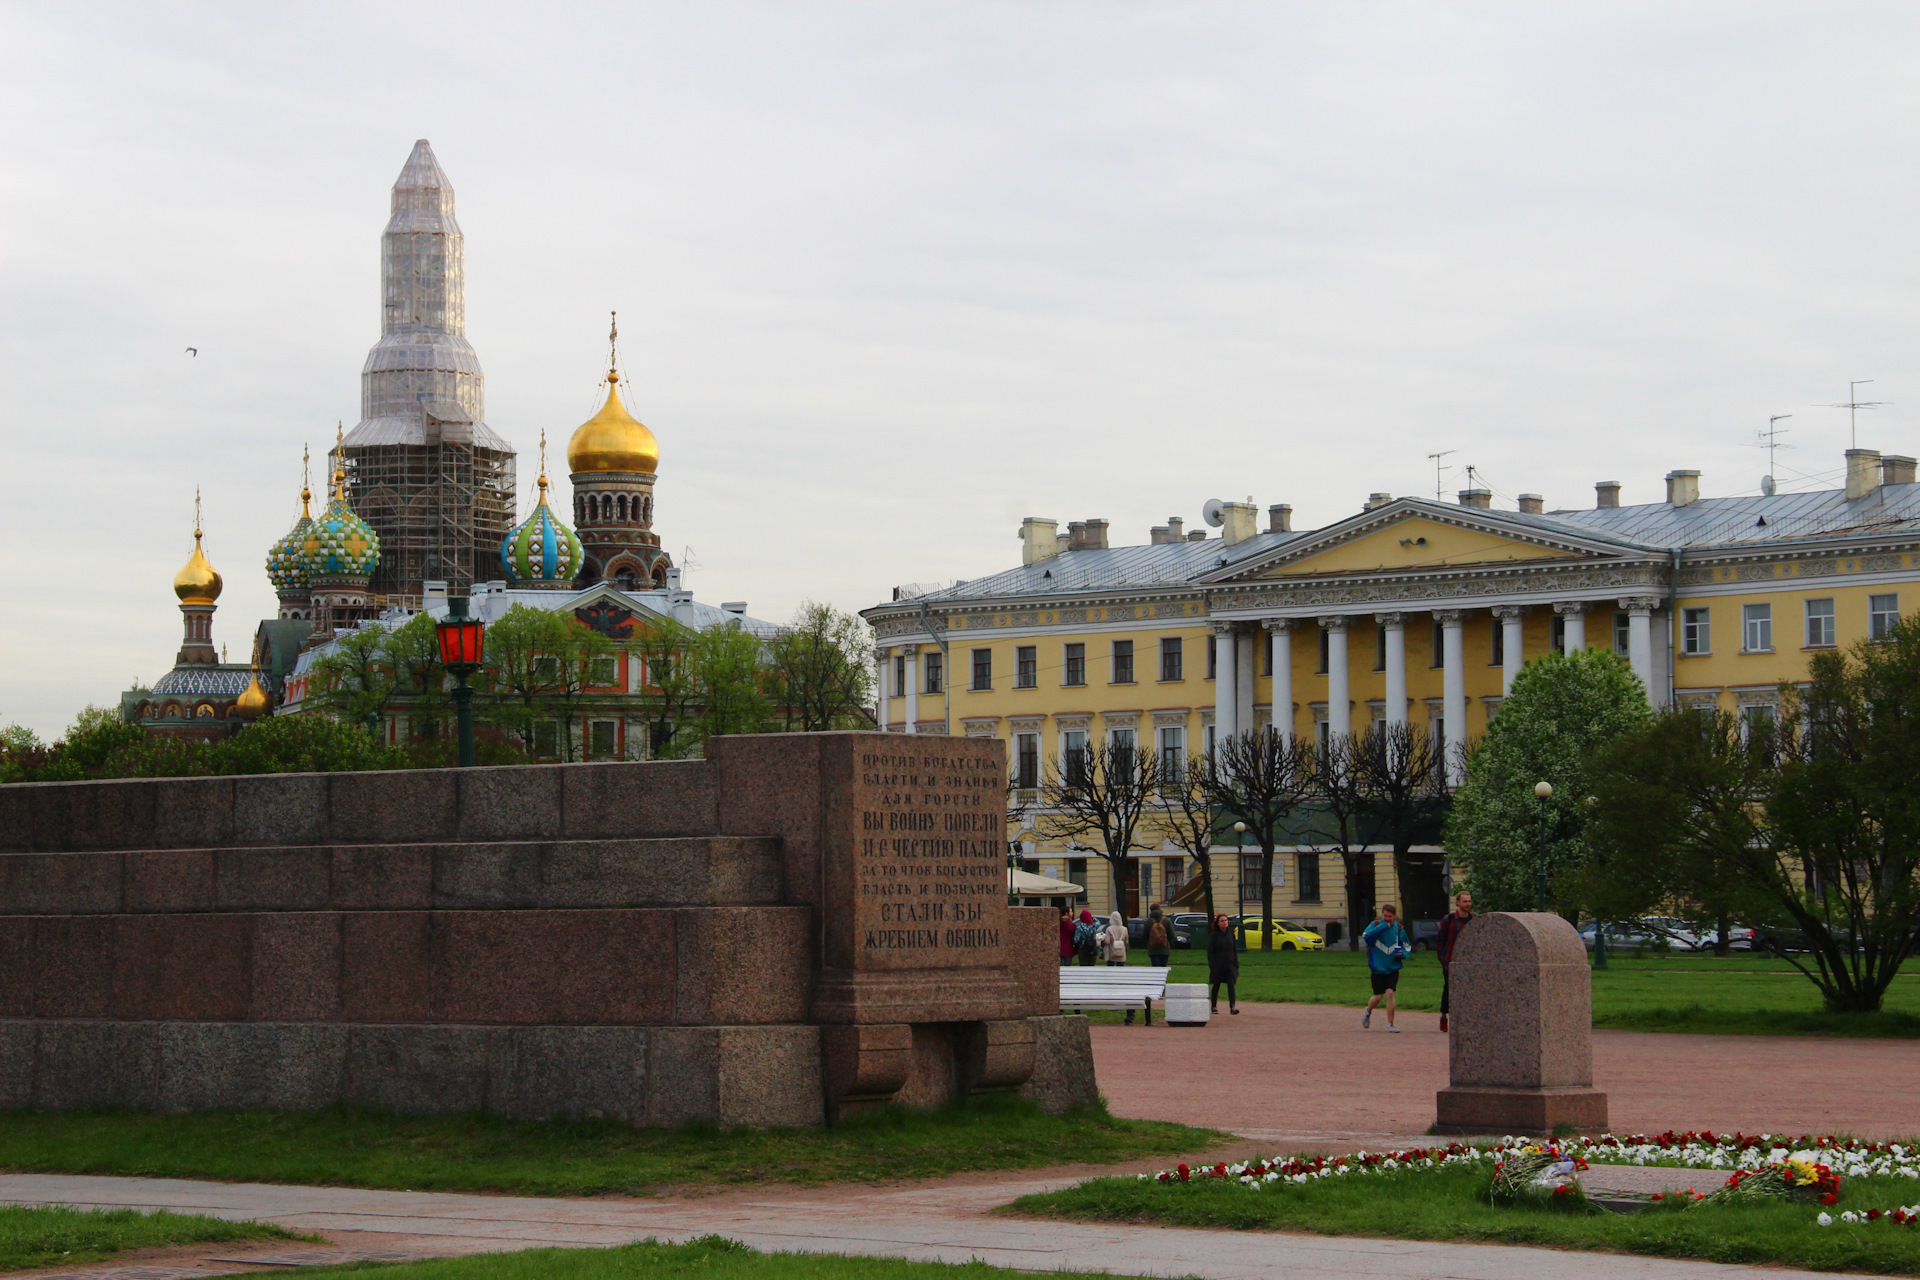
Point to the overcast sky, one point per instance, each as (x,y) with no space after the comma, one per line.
(891,277)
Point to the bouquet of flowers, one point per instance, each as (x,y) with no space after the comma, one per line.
(1538,1173)
(1798,1177)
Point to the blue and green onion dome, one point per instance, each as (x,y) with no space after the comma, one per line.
(339,544)
(285,567)
(542,549)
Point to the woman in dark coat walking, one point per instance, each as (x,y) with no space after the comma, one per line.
(1223,963)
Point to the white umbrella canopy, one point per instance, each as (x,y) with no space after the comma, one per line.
(1028,884)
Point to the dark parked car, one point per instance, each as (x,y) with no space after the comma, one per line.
(1425,934)
(1189,929)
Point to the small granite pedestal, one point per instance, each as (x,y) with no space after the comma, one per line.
(1522,1046)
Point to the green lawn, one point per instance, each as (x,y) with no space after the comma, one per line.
(45,1237)
(1449,1204)
(710,1258)
(1744,993)
(477,1153)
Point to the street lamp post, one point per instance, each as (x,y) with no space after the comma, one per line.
(461,641)
(1544,790)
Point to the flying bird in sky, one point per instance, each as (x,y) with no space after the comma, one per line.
(193,351)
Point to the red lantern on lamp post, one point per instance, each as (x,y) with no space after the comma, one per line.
(461,643)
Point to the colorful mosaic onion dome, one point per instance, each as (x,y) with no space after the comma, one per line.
(613,439)
(285,567)
(541,549)
(339,544)
(198,582)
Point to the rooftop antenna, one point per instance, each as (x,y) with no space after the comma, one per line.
(1438,470)
(1770,441)
(1853,406)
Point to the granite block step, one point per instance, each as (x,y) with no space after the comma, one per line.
(689,871)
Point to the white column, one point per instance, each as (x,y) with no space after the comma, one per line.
(1339,699)
(1575,625)
(1453,688)
(1246,666)
(1280,637)
(1225,684)
(1640,639)
(1395,627)
(913,684)
(883,676)
(1510,616)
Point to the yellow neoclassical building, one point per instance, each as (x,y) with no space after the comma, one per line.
(1410,610)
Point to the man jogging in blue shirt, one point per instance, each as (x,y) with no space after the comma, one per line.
(1387,945)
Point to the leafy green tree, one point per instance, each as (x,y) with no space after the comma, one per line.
(820,675)
(521,674)
(670,687)
(94,716)
(732,672)
(572,649)
(355,678)
(1560,707)
(1676,818)
(413,656)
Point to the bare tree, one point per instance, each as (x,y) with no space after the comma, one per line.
(1261,777)
(1101,796)
(1186,810)
(1347,816)
(1401,774)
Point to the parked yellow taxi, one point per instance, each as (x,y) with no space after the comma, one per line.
(1287,936)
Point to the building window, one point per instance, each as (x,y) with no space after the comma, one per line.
(1173,876)
(1559,633)
(1758,620)
(899,674)
(1758,715)
(1073,751)
(1212,655)
(1123,742)
(1819,623)
(1882,613)
(1026,667)
(1210,737)
(1172,658)
(1173,753)
(1379,647)
(546,739)
(1696,635)
(1077,874)
(1026,760)
(1123,662)
(983,669)
(601,739)
(1250,877)
(1439,645)
(935,672)
(1622,633)
(1307,885)
(602,672)
(1497,645)
(1326,646)
(1143,872)
(1076,664)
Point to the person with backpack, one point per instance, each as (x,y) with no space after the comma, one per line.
(1387,946)
(1086,939)
(1066,936)
(1159,940)
(1113,945)
(1223,963)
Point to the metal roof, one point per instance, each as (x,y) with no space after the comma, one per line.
(1105,568)
(1712,522)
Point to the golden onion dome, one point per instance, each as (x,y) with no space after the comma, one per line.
(613,439)
(253,701)
(198,582)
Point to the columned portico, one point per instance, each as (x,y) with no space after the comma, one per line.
(1574,624)
(913,685)
(1226,682)
(1453,690)
(883,674)
(1339,699)
(1639,610)
(1280,638)
(1512,637)
(1246,645)
(1393,626)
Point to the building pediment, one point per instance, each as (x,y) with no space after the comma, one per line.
(1412,537)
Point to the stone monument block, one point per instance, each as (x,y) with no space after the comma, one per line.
(1522,1041)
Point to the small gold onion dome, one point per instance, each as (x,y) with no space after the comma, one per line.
(198,582)
(613,439)
(253,700)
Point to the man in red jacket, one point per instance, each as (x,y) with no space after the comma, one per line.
(1449,933)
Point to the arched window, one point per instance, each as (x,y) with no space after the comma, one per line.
(620,508)
(660,574)
(606,506)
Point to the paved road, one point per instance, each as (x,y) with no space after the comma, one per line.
(944,1222)
(1303,1075)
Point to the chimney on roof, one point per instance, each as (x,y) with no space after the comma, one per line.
(1159,536)
(1606,494)
(1038,539)
(1481,498)
(1086,535)
(1896,468)
(1863,472)
(1176,529)
(1239,521)
(1683,488)
(1198,535)
(1280,518)
(1533,504)
(1378,500)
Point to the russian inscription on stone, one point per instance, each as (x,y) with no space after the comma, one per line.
(932,860)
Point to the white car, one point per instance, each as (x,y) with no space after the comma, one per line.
(1629,935)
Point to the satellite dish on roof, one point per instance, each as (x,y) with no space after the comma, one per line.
(1214,512)
(1766,485)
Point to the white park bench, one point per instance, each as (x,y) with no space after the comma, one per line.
(1112,987)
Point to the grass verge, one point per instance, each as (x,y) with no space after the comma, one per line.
(59,1236)
(711,1258)
(1450,1204)
(480,1153)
